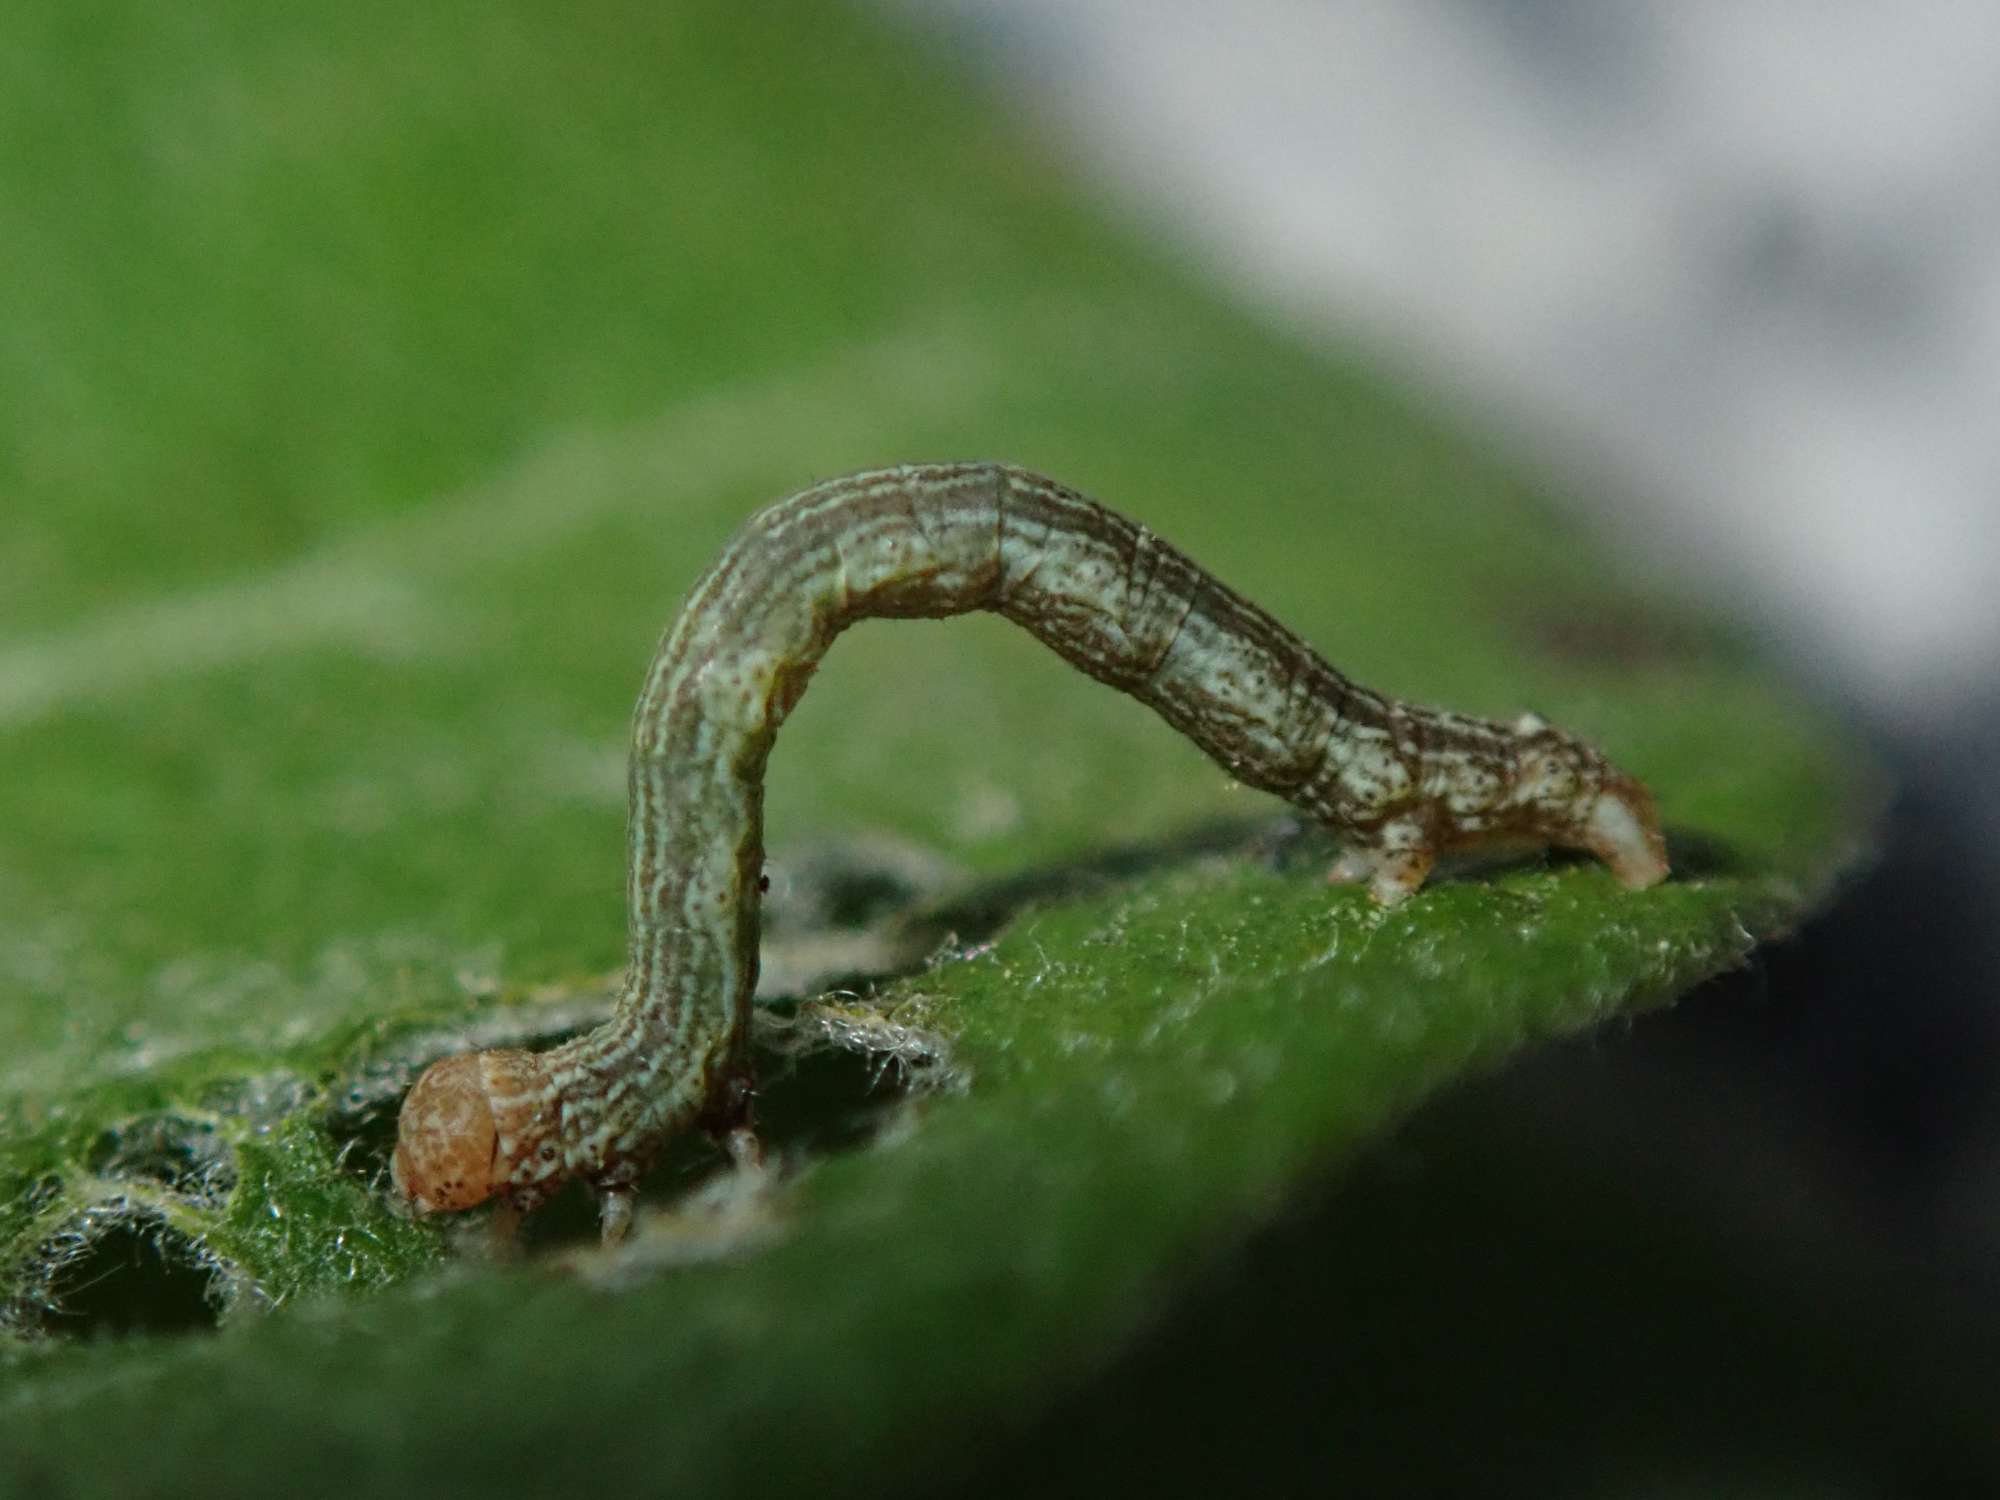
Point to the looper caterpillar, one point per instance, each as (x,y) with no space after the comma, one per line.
(1399,783)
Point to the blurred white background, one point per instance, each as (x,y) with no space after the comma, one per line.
(1730,270)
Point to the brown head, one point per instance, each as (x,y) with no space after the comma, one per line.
(466,1127)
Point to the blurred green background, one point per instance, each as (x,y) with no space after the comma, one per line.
(373,384)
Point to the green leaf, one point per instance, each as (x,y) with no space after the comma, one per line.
(376,381)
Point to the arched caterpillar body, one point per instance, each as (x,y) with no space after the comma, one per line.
(1398,783)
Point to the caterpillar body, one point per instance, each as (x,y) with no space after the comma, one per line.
(1398,783)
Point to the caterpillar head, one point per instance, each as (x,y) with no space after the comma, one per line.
(467,1126)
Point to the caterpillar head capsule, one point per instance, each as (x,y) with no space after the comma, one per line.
(466,1126)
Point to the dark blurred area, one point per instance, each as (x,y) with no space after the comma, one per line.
(1747,1246)
(1750,1245)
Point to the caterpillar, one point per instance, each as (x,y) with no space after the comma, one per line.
(1398,783)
